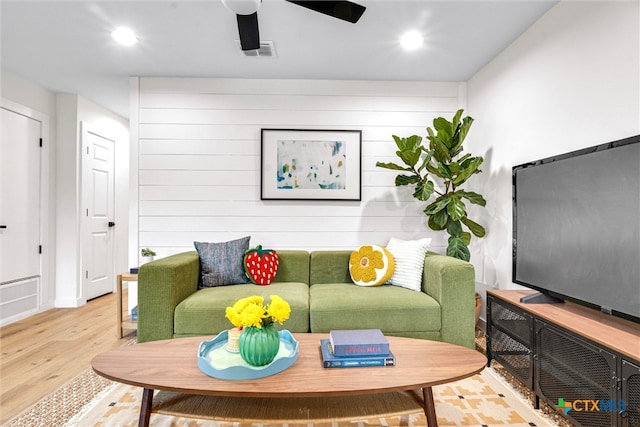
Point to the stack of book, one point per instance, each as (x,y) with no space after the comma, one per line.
(356,348)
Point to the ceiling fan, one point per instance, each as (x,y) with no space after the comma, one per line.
(247,15)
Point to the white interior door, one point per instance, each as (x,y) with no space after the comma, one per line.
(19,197)
(98,205)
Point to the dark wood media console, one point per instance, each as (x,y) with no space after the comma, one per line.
(570,354)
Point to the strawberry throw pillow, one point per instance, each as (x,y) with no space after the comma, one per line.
(261,265)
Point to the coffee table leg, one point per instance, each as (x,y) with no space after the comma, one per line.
(145,407)
(429,407)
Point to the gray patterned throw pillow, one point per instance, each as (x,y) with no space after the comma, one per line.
(221,263)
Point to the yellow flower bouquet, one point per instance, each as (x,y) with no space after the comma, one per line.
(252,311)
(255,337)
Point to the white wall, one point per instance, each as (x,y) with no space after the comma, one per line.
(571,81)
(199,160)
(28,94)
(73,110)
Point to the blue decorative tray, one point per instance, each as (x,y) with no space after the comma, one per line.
(215,361)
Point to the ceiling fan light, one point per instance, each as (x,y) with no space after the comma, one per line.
(411,40)
(242,7)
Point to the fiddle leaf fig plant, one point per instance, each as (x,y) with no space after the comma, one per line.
(442,160)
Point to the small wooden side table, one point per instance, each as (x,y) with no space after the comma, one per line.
(126,322)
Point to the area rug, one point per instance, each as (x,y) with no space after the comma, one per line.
(482,400)
(492,398)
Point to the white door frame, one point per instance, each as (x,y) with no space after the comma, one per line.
(47,258)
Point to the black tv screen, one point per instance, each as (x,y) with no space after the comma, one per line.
(576,226)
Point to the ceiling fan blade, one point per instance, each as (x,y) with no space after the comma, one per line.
(248,30)
(345,10)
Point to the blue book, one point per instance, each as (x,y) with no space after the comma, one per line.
(329,360)
(359,342)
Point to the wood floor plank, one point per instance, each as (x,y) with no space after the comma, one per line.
(45,351)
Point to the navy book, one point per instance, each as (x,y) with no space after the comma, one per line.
(359,342)
(329,360)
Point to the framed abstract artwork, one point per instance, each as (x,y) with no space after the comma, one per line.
(302,164)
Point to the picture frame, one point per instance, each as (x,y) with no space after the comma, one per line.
(309,164)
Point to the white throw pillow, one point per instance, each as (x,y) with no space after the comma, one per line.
(409,262)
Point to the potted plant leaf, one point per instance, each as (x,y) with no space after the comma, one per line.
(438,170)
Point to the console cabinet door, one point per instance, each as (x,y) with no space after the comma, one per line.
(571,370)
(510,339)
(630,394)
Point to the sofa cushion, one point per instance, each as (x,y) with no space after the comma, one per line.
(293,267)
(409,262)
(370,265)
(329,267)
(222,263)
(392,309)
(203,312)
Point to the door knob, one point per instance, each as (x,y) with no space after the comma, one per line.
(111,224)
(3,226)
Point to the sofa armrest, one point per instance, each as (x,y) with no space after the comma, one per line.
(452,283)
(162,285)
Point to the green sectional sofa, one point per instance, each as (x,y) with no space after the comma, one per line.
(322,296)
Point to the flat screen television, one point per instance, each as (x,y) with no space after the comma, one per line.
(576,227)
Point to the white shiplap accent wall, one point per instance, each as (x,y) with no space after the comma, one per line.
(199,160)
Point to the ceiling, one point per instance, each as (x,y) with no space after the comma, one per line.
(65,46)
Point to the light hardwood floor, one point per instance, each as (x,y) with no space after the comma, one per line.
(45,351)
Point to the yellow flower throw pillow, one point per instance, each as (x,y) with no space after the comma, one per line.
(371,265)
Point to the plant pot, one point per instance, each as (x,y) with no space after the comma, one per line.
(259,346)
(146,259)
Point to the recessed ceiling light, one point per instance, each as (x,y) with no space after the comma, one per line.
(124,36)
(411,40)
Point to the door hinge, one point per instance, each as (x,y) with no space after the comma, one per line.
(40,142)
(86,274)
(40,249)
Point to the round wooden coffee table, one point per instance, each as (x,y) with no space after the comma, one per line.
(171,365)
